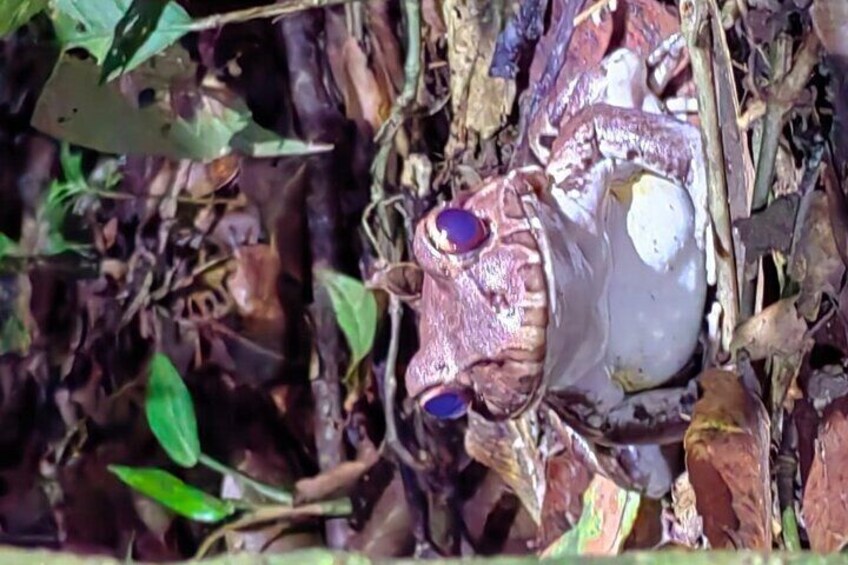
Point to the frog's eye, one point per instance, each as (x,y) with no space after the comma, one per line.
(446,404)
(459,231)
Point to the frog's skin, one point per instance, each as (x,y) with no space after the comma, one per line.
(589,281)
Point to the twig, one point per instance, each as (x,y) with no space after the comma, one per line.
(338,507)
(272,11)
(785,469)
(390,388)
(695,25)
(591,11)
(411,69)
(321,121)
(272,492)
(780,101)
(385,137)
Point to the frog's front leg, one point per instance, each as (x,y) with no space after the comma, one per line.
(631,139)
(599,144)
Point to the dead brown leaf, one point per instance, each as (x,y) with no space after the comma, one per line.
(509,448)
(566,479)
(253,284)
(365,99)
(389,531)
(815,262)
(206,178)
(727,457)
(480,102)
(777,330)
(824,506)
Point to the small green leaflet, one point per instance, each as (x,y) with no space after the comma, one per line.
(170,412)
(171,492)
(356,312)
(15,13)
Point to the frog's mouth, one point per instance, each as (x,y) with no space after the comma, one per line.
(576,261)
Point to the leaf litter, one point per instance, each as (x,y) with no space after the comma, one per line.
(222,195)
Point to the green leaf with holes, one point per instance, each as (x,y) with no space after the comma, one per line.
(120,34)
(147,28)
(170,412)
(171,492)
(15,13)
(162,111)
(356,312)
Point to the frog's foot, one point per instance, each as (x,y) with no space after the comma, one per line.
(658,416)
(663,61)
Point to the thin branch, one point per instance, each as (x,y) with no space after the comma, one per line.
(780,101)
(273,493)
(272,11)
(390,388)
(695,25)
(263,514)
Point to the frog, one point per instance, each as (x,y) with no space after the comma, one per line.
(577,281)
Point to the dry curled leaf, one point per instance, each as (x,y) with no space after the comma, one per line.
(727,458)
(777,330)
(253,285)
(509,448)
(815,262)
(824,506)
(206,178)
(404,280)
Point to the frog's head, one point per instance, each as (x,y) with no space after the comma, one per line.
(484,303)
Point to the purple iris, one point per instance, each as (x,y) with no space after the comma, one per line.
(464,231)
(448,405)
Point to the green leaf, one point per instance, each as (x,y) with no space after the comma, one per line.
(170,412)
(15,13)
(609,513)
(74,107)
(356,312)
(87,24)
(122,33)
(173,493)
(8,246)
(256,141)
(146,29)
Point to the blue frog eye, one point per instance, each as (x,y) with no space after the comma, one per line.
(462,230)
(448,405)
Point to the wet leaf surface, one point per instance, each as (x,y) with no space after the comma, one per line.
(727,457)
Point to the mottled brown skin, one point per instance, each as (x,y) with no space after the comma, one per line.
(522,317)
(490,306)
